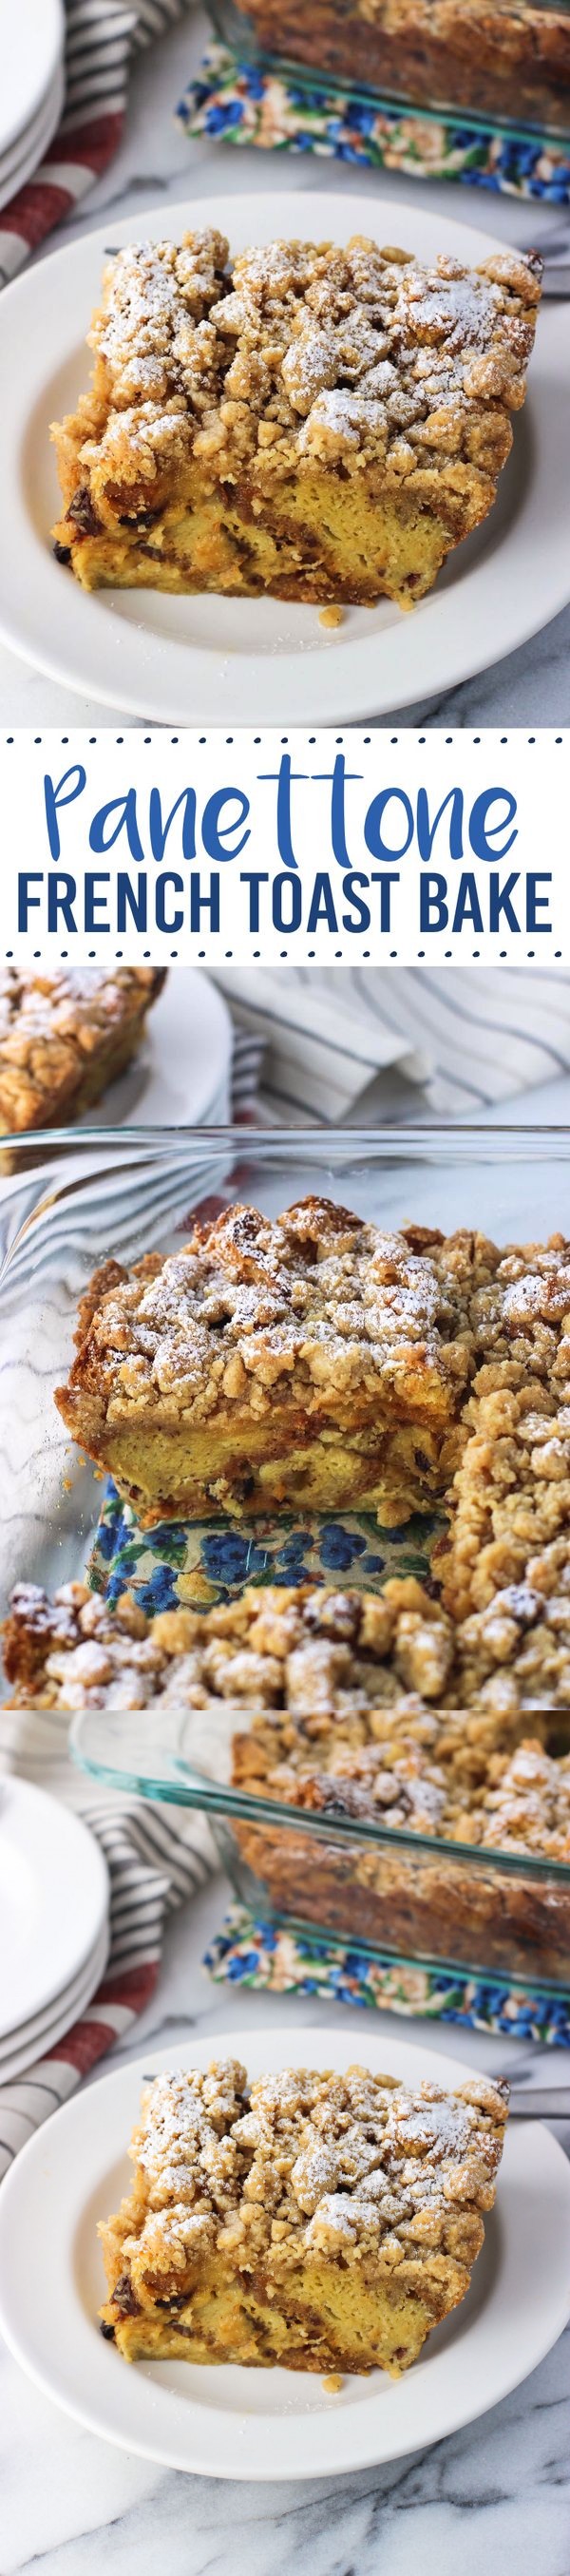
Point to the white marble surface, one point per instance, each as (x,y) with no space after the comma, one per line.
(157,160)
(491,2497)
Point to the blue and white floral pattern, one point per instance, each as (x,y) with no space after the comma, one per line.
(210,1561)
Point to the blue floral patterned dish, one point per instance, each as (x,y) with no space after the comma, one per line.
(272,1958)
(236,102)
(210,1561)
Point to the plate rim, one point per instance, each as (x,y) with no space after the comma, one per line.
(33,133)
(54,57)
(338,680)
(186,981)
(41,2042)
(293,2045)
(33,161)
(31,1790)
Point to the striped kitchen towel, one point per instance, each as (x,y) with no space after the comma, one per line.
(102,36)
(361,1045)
(156,1861)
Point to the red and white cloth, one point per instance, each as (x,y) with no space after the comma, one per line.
(102,38)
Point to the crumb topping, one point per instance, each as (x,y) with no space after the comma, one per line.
(325,1657)
(518,1801)
(378,1695)
(511,1498)
(317,1304)
(300,2163)
(292,354)
(529,1809)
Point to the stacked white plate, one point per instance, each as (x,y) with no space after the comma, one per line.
(54,1923)
(32,38)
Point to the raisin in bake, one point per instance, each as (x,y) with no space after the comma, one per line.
(64,1036)
(324,2222)
(301,422)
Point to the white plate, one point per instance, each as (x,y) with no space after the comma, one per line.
(32,34)
(39,2023)
(25,158)
(233,2423)
(54,1897)
(214,660)
(11,161)
(38,2038)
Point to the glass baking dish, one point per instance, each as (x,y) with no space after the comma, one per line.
(128,1192)
(393,1894)
(503,64)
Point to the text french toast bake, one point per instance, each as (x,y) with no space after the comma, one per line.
(301,421)
(320,2221)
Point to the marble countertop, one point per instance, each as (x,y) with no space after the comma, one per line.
(490,2497)
(157,161)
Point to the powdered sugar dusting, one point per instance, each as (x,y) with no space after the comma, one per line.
(309,2156)
(298,350)
(317,1301)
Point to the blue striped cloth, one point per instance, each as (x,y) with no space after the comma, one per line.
(341,1042)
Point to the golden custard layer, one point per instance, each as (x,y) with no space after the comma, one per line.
(301,422)
(319,2221)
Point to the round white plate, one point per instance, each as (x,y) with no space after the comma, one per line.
(233,2423)
(216,660)
(11,161)
(38,2023)
(32,34)
(37,2038)
(54,1898)
(25,158)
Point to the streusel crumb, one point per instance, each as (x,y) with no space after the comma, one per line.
(319,2220)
